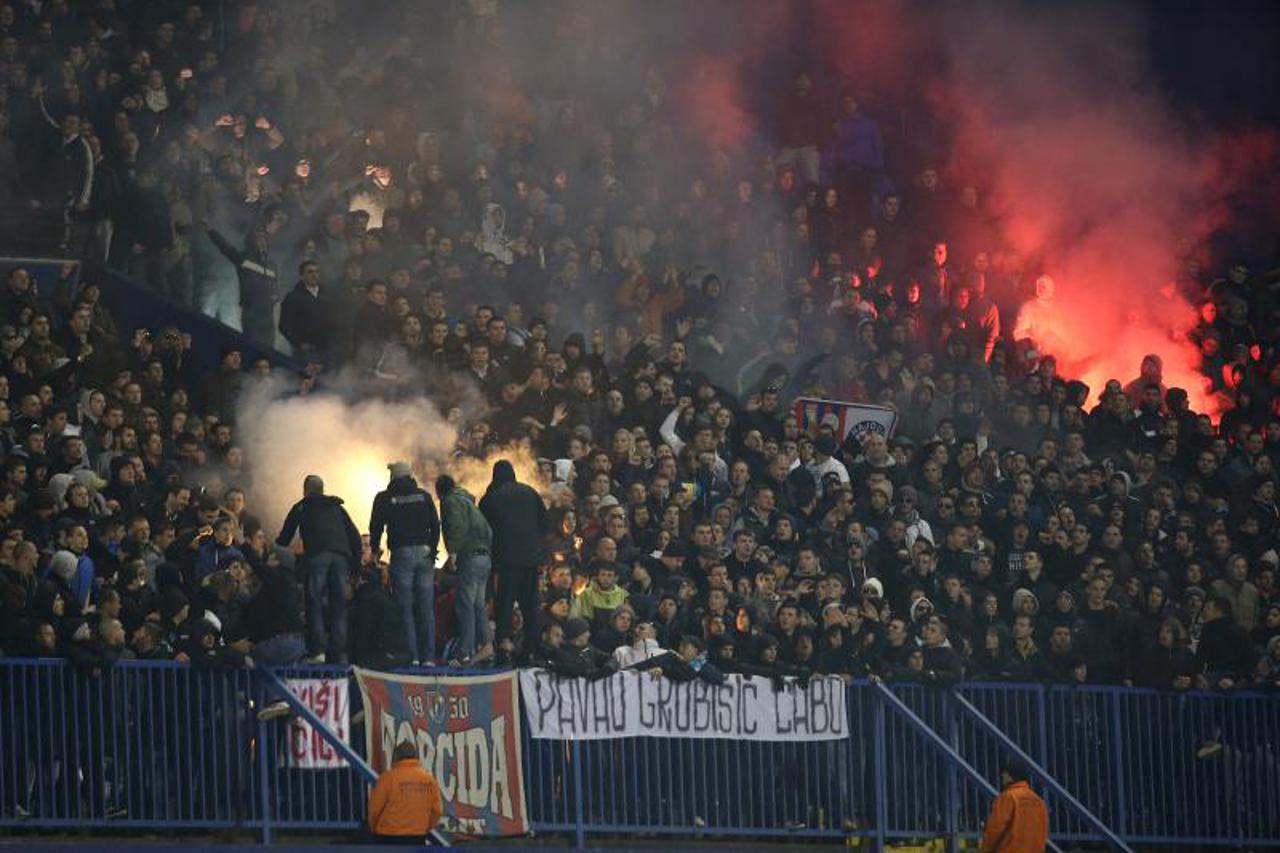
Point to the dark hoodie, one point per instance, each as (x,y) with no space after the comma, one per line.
(325,525)
(519,520)
(408,514)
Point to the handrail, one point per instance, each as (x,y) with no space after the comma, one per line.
(300,708)
(143,730)
(939,743)
(330,737)
(1062,793)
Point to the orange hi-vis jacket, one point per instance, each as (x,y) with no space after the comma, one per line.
(1018,822)
(405,801)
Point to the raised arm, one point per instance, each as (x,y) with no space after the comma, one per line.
(228,251)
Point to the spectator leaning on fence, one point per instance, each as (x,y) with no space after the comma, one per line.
(405,803)
(1018,821)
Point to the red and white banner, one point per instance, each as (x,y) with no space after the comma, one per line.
(846,419)
(467,731)
(329,699)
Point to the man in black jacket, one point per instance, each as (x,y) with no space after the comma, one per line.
(304,315)
(273,618)
(377,635)
(258,281)
(519,521)
(332,543)
(413,533)
(1223,655)
(568,652)
(942,665)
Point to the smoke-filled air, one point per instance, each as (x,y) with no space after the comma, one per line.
(349,445)
(1096,188)
(1093,179)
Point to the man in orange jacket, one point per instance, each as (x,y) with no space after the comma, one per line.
(405,804)
(1019,821)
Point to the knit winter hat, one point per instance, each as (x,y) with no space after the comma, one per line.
(1021,595)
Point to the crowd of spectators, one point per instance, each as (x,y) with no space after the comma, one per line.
(588,283)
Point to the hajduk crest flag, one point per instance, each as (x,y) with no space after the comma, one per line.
(467,730)
(847,419)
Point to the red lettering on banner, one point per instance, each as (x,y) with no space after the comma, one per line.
(468,737)
(327,699)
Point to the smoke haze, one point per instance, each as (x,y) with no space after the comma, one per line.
(1091,175)
(349,445)
(1050,110)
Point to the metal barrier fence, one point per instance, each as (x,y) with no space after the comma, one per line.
(164,746)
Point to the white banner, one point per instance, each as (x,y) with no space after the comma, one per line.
(638,704)
(329,699)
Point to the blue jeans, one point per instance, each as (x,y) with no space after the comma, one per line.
(280,650)
(473,624)
(413,577)
(326,587)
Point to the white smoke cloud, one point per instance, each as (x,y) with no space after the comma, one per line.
(349,445)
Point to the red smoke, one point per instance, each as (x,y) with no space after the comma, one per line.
(1096,196)
(1096,182)
(711,101)
(710,83)
(1085,171)
(882,50)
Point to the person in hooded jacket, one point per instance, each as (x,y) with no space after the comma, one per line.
(613,635)
(73,575)
(1166,662)
(409,516)
(568,652)
(520,523)
(332,543)
(207,648)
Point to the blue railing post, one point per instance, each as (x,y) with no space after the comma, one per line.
(881,770)
(1119,818)
(1042,727)
(984,724)
(579,822)
(953,798)
(264,774)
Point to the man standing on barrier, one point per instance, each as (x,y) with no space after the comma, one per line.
(1018,821)
(413,532)
(468,537)
(331,543)
(520,523)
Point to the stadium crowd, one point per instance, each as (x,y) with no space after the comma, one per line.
(559,267)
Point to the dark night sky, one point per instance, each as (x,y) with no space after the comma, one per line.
(1219,58)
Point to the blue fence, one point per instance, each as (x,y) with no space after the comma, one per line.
(165,746)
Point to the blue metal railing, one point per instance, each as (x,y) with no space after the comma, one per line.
(165,746)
